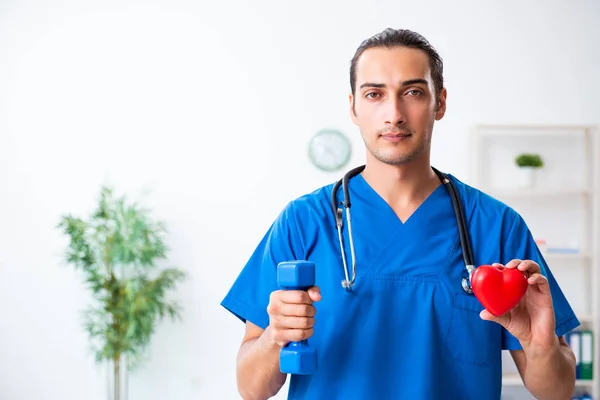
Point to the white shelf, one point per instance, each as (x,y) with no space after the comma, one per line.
(566,256)
(537,192)
(586,318)
(511,379)
(537,130)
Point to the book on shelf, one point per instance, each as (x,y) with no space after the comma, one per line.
(581,342)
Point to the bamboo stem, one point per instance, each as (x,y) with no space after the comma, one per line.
(117,378)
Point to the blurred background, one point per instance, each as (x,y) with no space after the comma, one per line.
(203,112)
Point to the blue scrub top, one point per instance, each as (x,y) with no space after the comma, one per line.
(407,329)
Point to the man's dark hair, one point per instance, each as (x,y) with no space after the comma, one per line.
(402,38)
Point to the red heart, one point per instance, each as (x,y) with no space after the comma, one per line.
(498,289)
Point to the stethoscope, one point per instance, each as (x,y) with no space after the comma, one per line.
(465,242)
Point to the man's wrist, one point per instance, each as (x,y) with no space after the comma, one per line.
(542,352)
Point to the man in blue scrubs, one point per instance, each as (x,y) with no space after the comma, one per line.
(406,329)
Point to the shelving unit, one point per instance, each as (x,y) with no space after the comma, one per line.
(561,208)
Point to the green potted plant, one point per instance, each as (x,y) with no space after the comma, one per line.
(117,249)
(528,164)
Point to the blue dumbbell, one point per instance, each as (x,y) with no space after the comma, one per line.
(297,357)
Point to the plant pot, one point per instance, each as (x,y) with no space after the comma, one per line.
(527,177)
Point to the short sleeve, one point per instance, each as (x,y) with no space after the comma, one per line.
(249,295)
(520,244)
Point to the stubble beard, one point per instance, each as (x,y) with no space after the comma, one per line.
(391,157)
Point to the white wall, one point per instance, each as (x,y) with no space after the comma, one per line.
(210,107)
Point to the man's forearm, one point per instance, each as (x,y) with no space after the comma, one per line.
(258,374)
(550,374)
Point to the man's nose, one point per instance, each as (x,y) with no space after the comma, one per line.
(395,112)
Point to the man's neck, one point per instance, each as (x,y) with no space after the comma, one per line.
(403,187)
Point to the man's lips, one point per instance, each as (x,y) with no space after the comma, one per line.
(395,137)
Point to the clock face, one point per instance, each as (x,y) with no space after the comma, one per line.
(329,150)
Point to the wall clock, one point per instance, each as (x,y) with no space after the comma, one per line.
(329,150)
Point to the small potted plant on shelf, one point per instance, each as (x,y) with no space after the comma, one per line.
(528,165)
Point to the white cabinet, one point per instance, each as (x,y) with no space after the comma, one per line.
(561,209)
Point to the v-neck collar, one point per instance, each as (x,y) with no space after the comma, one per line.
(372,197)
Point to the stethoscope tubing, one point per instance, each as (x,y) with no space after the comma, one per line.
(465,242)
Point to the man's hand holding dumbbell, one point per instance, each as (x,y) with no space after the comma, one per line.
(267,356)
(292,315)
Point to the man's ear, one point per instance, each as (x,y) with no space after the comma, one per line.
(352,110)
(441,105)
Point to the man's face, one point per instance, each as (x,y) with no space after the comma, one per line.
(394,104)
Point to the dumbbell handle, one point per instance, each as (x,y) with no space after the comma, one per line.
(304,342)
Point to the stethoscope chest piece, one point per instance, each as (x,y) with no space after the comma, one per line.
(466,282)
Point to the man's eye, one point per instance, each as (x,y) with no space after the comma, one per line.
(371,95)
(415,92)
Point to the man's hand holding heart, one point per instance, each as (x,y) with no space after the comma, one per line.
(518,297)
(532,320)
